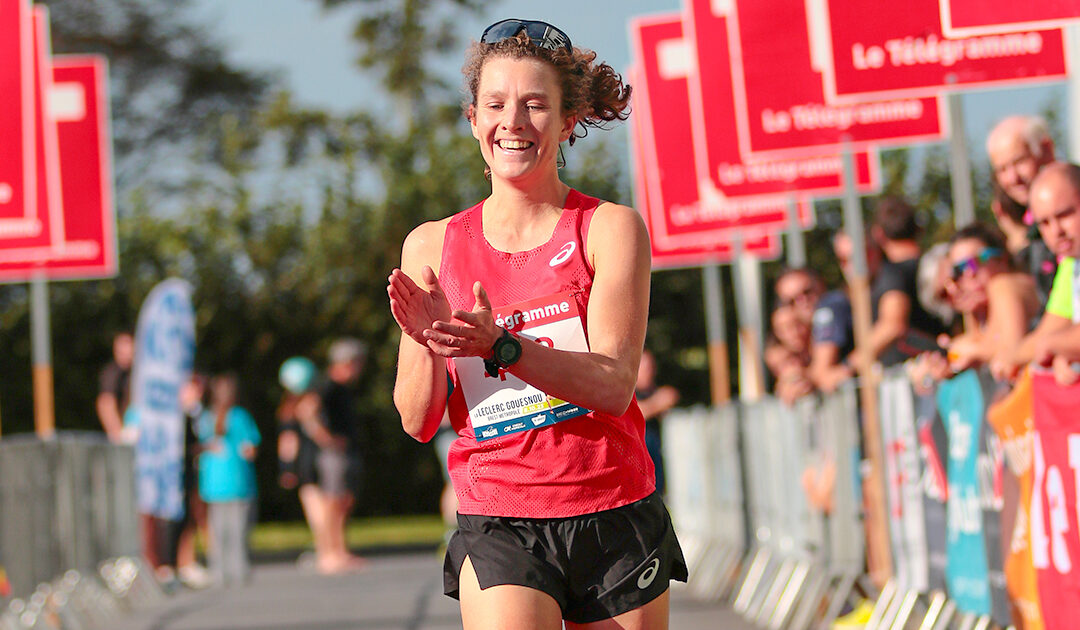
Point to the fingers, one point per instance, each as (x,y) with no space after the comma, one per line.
(482,301)
(431,280)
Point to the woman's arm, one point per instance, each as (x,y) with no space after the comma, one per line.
(1007,314)
(602,379)
(417,302)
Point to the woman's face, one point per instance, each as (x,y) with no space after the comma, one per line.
(969,284)
(518,118)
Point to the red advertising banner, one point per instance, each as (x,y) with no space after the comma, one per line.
(1055,543)
(692,215)
(779,99)
(79,102)
(673,89)
(670,252)
(872,50)
(18,198)
(965,18)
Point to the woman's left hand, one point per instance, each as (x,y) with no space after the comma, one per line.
(470,334)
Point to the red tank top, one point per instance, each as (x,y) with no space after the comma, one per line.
(578,466)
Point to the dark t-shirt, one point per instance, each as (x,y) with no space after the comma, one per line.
(339,412)
(923,327)
(116,380)
(833,322)
(1037,260)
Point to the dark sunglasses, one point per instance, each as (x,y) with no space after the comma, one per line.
(975,262)
(805,294)
(540,33)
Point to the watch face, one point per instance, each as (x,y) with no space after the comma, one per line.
(507,350)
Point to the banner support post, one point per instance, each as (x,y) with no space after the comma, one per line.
(878,553)
(795,249)
(716,330)
(1072,56)
(959,163)
(747,281)
(41,358)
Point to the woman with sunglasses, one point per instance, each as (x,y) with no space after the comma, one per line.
(998,303)
(524,317)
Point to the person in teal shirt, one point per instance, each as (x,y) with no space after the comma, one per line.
(229,440)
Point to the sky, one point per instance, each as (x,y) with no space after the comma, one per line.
(312,50)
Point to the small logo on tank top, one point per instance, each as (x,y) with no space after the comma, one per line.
(565,252)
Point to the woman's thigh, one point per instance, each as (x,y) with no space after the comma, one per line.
(505,607)
(651,616)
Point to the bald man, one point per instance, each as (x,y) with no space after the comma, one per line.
(1019,147)
(1055,207)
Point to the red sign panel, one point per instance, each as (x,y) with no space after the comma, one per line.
(779,100)
(694,213)
(871,49)
(670,63)
(668,251)
(18,199)
(22,223)
(79,102)
(964,18)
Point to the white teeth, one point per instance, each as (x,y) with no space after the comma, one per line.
(514,144)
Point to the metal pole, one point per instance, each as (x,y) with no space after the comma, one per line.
(719,370)
(746,281)
(959,164)
(796,241)
(876,522)
(41,358)
(1072,51)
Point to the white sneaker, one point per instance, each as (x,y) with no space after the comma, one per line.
(194,576)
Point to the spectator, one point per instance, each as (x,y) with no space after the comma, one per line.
(229,438)
(338,462)
(188,569)
(799,288)
(1055,206)
(298,419)
(902,328)
(654,401)
(1018,147)
(114,393)
(787,353)
(833,332)
(997,302)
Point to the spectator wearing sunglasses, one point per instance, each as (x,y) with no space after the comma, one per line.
(544,290)
(997,302)
(1055,207)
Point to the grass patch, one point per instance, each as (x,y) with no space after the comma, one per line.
(383,531)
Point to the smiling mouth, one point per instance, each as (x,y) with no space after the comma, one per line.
(513,145)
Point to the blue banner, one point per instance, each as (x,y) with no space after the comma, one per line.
(164,353)
(960,403)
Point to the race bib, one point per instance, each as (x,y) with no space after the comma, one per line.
(504,404)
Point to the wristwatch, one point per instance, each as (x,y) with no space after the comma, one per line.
(505,352)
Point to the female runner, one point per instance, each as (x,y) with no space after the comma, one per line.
(530,335)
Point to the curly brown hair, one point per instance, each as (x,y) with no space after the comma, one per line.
(594,92)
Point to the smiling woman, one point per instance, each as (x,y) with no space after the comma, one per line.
(550,465)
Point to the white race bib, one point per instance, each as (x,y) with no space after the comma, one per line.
(506,404)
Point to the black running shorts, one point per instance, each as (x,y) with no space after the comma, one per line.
(596,566)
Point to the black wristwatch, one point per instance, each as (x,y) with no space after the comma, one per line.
(505,352)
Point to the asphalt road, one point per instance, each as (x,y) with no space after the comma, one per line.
(395,592)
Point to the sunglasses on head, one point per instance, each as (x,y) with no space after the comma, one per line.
(540,33)
(975,262)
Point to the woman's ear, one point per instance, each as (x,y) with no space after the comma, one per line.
(569,123)
(470,115)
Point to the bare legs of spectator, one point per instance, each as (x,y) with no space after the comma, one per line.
(339,559)
(314,504)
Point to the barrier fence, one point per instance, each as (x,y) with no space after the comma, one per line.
(981,488)
(65,504)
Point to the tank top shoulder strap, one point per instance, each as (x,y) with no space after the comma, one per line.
(585,207)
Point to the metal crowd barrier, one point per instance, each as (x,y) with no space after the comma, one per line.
(65,504)
(767,499)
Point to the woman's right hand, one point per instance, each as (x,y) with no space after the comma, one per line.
(415,309)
